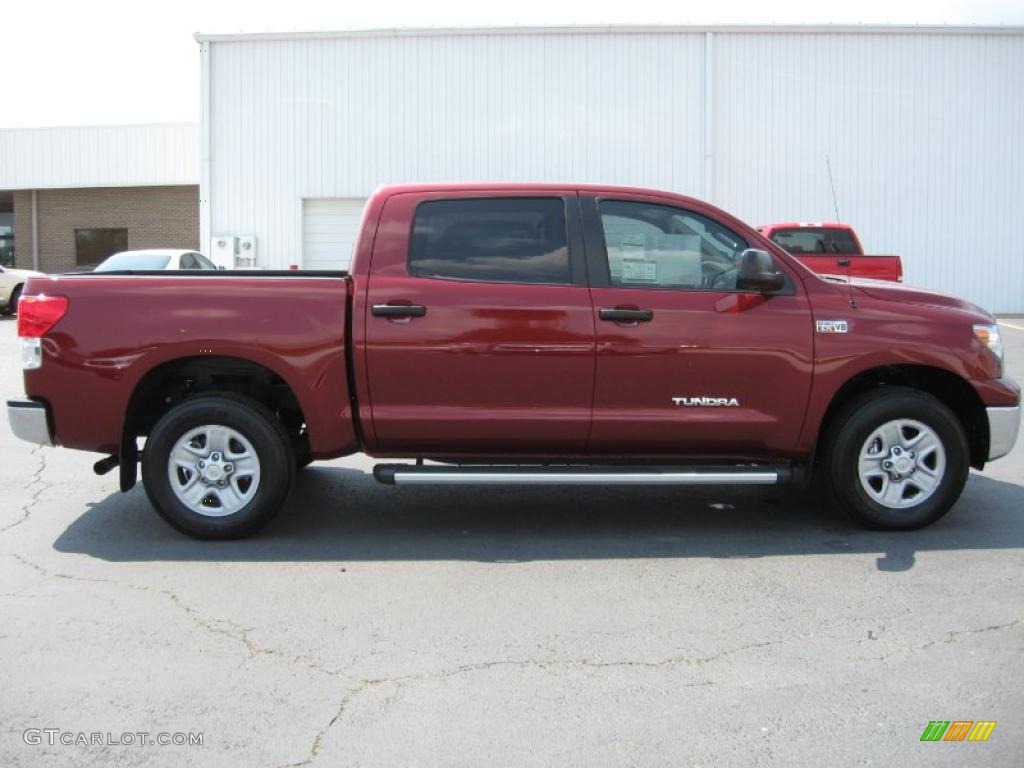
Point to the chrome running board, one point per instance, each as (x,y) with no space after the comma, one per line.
(444,474)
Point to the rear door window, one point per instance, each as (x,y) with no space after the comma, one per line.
(502,240)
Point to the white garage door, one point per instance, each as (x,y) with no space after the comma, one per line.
(329,228)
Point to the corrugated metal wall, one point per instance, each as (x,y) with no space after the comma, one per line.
(337,118)
(923,133)
(99,156)
(922,130)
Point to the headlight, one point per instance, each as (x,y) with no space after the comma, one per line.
(990,337)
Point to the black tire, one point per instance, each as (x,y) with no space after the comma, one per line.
(269,441)
(857,421)
(12,304)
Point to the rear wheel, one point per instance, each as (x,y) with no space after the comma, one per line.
(218,466)
(898,459)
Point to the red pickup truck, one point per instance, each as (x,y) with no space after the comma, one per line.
(517,334)
(831,248)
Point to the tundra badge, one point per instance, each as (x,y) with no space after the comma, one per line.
(831,326)
(714,402)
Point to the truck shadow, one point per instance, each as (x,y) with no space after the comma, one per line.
(341,514)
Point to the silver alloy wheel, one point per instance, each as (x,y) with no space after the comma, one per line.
(902,463)
(213,470)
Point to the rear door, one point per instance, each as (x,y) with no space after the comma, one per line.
(479,325)
(686,363)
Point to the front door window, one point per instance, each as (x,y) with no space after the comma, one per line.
(659,246)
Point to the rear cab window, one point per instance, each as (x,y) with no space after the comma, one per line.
(502,240)
(816,240)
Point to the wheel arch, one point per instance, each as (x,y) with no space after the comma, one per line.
(172,381)
(947,387)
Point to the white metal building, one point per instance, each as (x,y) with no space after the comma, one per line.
(922,128)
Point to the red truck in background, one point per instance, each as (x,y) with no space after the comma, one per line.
(830,248)
(519,334)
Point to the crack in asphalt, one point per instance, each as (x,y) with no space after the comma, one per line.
(954,635)
(223,627)
(367,684)
(444,674)
(318,741)
(36,484)
(239,634)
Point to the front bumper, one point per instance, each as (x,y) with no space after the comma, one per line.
(29,421)
(1003,426)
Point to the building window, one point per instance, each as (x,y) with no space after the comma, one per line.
(94,245)
(505,240)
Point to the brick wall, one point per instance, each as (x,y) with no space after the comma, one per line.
(155,217)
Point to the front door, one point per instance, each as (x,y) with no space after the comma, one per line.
(479,326)
(686,364)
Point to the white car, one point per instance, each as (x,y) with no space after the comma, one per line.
(154,258)
(11,281)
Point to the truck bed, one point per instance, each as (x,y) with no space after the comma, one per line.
(121,327)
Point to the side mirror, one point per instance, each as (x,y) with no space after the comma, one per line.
(757,272)
(221,266)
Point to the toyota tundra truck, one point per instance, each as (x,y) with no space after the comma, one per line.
(505,335)
(832,248)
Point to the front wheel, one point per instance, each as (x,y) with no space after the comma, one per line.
(218,466)
(898,459)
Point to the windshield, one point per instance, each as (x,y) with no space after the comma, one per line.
(816,240)
(130,260)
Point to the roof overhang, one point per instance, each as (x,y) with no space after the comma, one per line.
(615,29)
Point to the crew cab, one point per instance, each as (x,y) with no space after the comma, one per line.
(831,248)
(507,334)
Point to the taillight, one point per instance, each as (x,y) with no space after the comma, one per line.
(36,316)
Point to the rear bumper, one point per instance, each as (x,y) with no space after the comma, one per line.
(1003,426)
(29,421)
